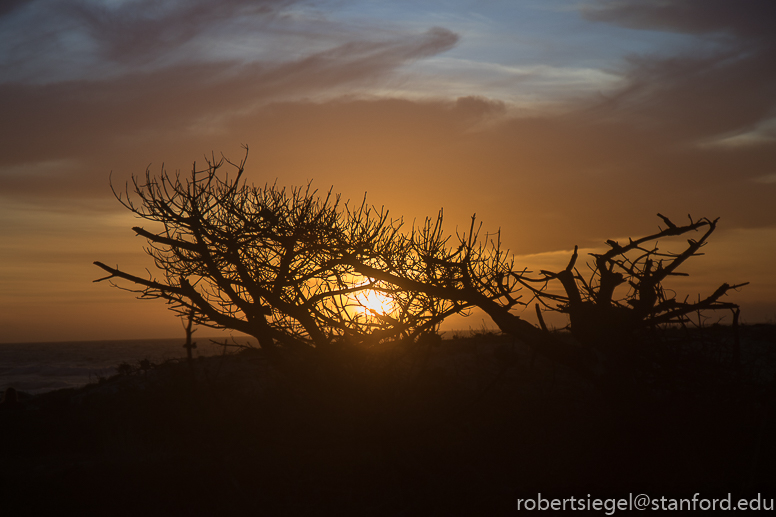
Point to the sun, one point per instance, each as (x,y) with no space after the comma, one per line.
(372,302)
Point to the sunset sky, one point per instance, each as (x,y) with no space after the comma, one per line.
(561,122)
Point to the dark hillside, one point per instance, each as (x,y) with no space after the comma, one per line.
(461,427)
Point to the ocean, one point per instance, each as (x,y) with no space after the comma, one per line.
(40,367)
(36,368)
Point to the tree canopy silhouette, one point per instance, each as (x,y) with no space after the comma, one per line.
(601,317)
(271,263)
(288,267)
(598,317)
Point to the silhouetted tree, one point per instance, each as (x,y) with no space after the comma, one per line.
(288,268)
(471,271)
(269,262)
(599,317)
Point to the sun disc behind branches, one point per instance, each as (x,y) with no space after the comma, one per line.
(374,303)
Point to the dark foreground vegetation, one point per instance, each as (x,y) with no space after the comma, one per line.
(354,409)
(456,427)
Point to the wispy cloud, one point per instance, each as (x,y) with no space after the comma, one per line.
(745,18)
(711,92)
(9,6)
(60,120)
(99,38)
(768,179)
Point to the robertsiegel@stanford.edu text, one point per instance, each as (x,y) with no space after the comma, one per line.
(645,502)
